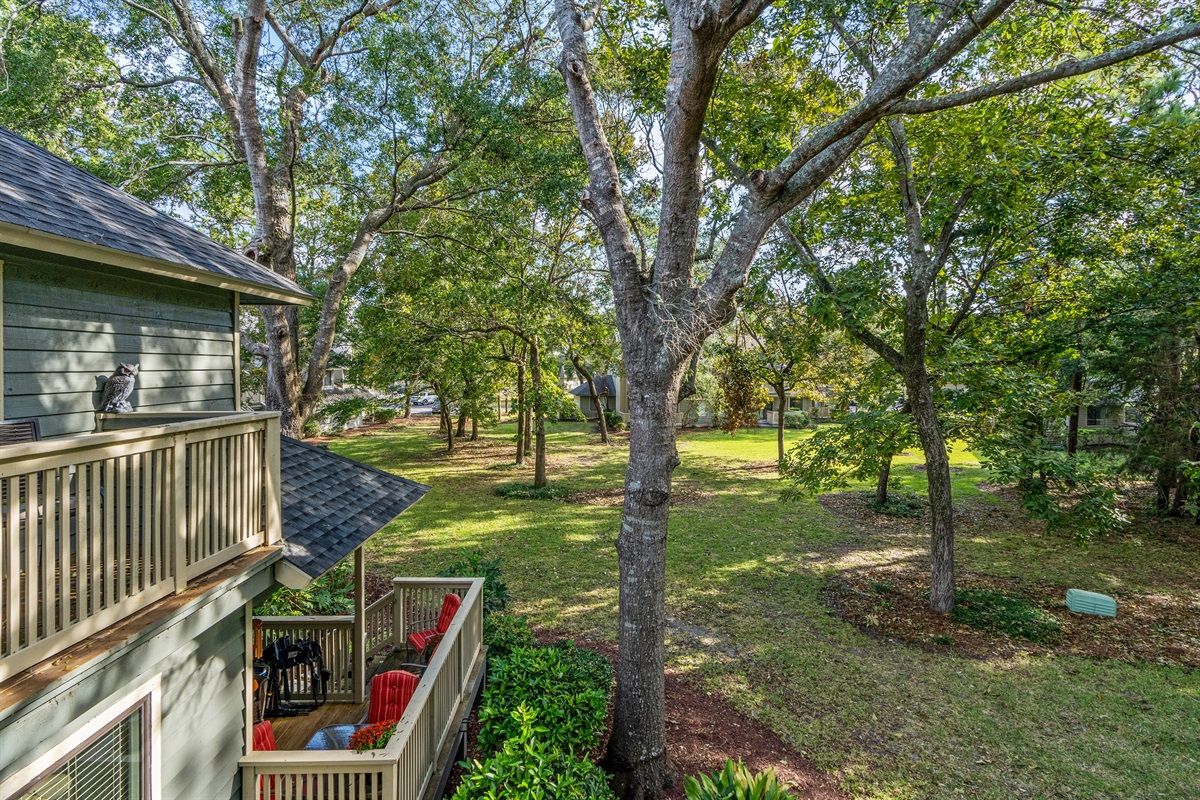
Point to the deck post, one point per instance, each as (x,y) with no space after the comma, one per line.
(358,646)
(179,531)
(273,522)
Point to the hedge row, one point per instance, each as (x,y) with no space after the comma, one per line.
(543,711)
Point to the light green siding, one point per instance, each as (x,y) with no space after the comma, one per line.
(68,323)
(199,656)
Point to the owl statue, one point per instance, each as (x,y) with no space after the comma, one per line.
(117,389)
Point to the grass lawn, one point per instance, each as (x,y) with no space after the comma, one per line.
(747,578)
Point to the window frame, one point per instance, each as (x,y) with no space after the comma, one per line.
(147,698)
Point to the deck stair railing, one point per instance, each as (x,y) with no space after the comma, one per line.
(94,528)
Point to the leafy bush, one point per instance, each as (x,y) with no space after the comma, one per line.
(503,633)
(592,667)
(571,413)
(528,766)
(898,504)
(735,782)
(796,420)
(475,565)
(525,491)
(837,455)
(311,429)
(567,691)
(330,594)
(996,612)
(339,413)
(386,414)
(614,421)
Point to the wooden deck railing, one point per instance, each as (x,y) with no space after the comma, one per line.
(94,528)
(405,768)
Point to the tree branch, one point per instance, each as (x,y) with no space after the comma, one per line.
(1066,69)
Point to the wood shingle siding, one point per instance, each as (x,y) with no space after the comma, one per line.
(68,323)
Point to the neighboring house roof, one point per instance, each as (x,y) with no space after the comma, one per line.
(331,504)
(605,386)
(50,205)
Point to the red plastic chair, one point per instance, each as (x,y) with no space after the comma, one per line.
(264,736)
(390,693)
(428,640)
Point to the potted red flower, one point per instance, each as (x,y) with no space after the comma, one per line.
(373,737)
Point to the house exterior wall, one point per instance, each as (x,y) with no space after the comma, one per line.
(199,657)
(66,322)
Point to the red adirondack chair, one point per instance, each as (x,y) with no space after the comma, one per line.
(425,642)
(390,693)
(264,736)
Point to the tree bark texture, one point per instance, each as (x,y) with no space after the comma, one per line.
(637,754)
(521,440)
(1073,423)
(881,486)
(780,394)
(539,414)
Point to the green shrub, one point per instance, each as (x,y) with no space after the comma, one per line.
(571,413)
(329,595)
(475,565)
(796,420)
(529,767)
(311,429)
(566,690)
(735,782)
(519,490)
(503,633)
(898,504)
(996,612)
(386,414)
(339,413)
(614,421)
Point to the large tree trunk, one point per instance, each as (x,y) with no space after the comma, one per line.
(933,442)
(408,406)
(539,415)
(462,424)
(637,754)
(521,441)
(1073,423)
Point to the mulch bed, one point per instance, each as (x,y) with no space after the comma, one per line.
(892,602)
(702,732)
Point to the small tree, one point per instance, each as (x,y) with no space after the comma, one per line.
(741,391)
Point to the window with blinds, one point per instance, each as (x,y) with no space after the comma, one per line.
(110,767)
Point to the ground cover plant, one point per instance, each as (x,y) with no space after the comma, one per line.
(756,613)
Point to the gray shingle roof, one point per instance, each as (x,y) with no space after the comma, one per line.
(605,386)
(332,504)
(40,191)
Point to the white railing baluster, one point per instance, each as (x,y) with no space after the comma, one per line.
(94,528)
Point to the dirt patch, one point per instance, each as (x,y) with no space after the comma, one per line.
(760,466)
(682,494)
(892,603)
(857,506)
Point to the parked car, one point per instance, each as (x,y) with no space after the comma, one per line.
(424,399)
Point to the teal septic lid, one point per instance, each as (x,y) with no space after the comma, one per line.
(1083,602)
